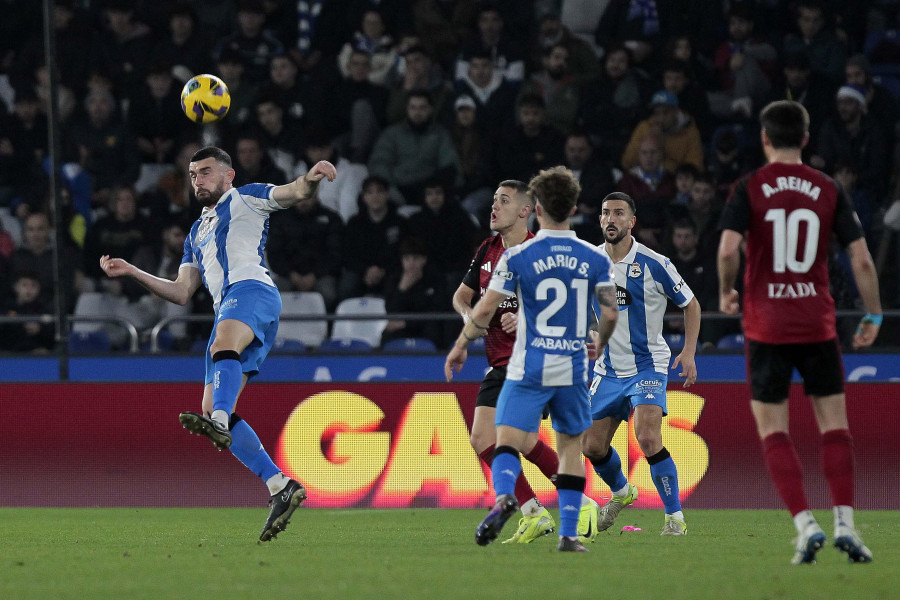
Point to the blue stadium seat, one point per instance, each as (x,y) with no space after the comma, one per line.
(476,347)
(88,342)
(409,344)
(199,346)
(734,341)
(285,346)
(345,345)
(675,341)
(889,82)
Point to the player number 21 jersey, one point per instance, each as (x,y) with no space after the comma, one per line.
(554,275)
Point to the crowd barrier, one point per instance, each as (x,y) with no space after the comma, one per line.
(386,445)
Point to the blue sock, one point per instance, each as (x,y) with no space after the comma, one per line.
(505,469)
(247,448)
(569,489)
(609,469)
(665,478)
(227,379)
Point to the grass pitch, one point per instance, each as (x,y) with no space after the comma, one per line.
(426,553)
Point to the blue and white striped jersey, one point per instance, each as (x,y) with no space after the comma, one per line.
(227,242)
(644,282)
(554,275)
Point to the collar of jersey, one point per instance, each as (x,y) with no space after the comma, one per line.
(555,233)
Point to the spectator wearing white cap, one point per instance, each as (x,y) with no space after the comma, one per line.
(880,103)
(851,136)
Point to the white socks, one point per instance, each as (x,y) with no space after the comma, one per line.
(276,482)
(843,517)
(532,508)
(804,519)
(622,492)
(221,416)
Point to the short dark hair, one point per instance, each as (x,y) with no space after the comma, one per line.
(685,223)
(624,198)
(557,189)
(413,245)
(533,100)
(420,93)
(687,169)
(521,188)
(376,179)
(785,122)
(212,152)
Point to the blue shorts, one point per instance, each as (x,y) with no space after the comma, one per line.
(258,305)
(616,397)
(521,405)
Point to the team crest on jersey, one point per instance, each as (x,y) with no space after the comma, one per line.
(207,226)
(634,270)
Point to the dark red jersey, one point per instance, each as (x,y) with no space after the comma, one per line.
(788,213)
(498,345)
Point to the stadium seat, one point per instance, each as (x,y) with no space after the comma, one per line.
(310,333)
(733,341)
(286,346)
(476,347)
(345,345)
(368,331)
(88,342)
(95,304)
(675,341)
(409,344)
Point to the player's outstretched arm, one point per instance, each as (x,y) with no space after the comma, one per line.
(691,333)
(729,261)
(304,186)
(178,291)
(867,282)
(474,328)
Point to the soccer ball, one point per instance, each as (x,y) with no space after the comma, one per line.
(205,99)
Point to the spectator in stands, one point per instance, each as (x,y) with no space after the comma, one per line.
(155,116)
(23,146)
(123,50)
(371,37)
(880,103)
(653,188)
(255,44)
(419,74)
(409,153)
(611,105)
(866,206)
(583,62)
(812,90)
(816,37)
(443,27)
(556,85)
(698,269)
(446,230)
(104,146)
(35,255)
(281,138)
(685,176)
(371,242)
(121,233)
(508,57)
(731,158)
(185,46)
(678,79)
(416,288)
(494,95)
(744,64)
(639,26)
(342,194)
(851,136)
(31,336)
(303,103)
(304,248)
(523,150)
(470,143)
(173,197)
(680,136)
(243,93)
(252,164)
(703,210)
(355,110)
(681,47)
(596,179)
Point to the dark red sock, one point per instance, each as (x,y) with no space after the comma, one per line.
(785,471)
(837,463)
(487,455)
(545,458)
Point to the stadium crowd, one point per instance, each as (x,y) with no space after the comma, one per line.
(424,106)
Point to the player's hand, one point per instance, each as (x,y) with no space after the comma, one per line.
(321,170)
(865,334)
(728,302)
(115,267)
(455,360)
(593,346)
(508,322)
(688,368)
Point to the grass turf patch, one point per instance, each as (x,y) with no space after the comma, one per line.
(422,553)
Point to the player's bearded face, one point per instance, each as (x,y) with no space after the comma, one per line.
(209,191)
(614,234)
